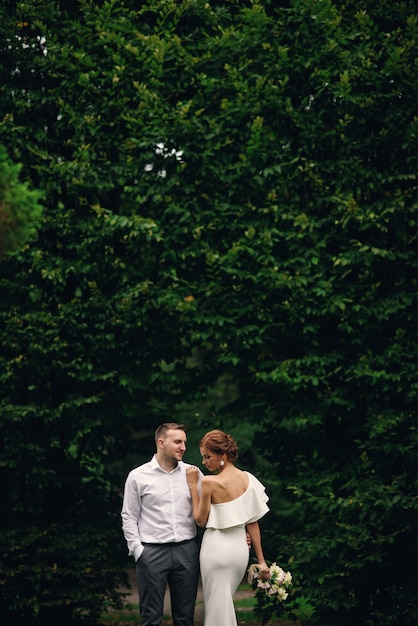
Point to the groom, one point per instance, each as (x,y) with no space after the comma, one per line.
(158,525)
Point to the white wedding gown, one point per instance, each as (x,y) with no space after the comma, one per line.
(224,552)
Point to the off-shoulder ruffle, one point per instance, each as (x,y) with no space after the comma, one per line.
(247,508)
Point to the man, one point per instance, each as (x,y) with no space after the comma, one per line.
(160,531)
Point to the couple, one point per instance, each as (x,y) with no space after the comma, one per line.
(163,501)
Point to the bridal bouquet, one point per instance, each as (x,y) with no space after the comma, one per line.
(275,587)
(271,593)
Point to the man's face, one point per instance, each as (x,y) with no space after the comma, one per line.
(174,445)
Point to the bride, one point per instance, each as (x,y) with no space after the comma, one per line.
(230,502)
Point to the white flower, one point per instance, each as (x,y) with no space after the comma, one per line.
(275,587)
(282,593)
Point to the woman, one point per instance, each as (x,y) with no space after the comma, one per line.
(229,502)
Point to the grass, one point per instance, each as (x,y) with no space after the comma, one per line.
(129,616)
(244,603)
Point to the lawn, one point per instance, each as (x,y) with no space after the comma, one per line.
(244,601)
(244,604)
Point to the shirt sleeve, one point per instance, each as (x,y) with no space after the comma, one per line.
(131,510)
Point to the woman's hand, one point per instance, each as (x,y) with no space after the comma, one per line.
(192,475)
(264,571)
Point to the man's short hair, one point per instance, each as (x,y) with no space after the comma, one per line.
(161,432)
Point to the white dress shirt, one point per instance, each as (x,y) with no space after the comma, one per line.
(157,507)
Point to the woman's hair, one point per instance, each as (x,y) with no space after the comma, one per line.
(220,443)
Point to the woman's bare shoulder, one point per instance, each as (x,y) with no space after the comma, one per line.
(209,481)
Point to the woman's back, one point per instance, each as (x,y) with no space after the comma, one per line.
(228,485)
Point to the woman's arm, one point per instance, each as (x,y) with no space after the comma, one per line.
(253,530)
(201,505)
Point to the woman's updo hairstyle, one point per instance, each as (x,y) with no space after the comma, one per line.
(220,443)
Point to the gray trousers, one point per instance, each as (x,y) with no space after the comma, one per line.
(175,565)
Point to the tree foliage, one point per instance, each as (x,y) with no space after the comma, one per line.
(20,210)
(230,201)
